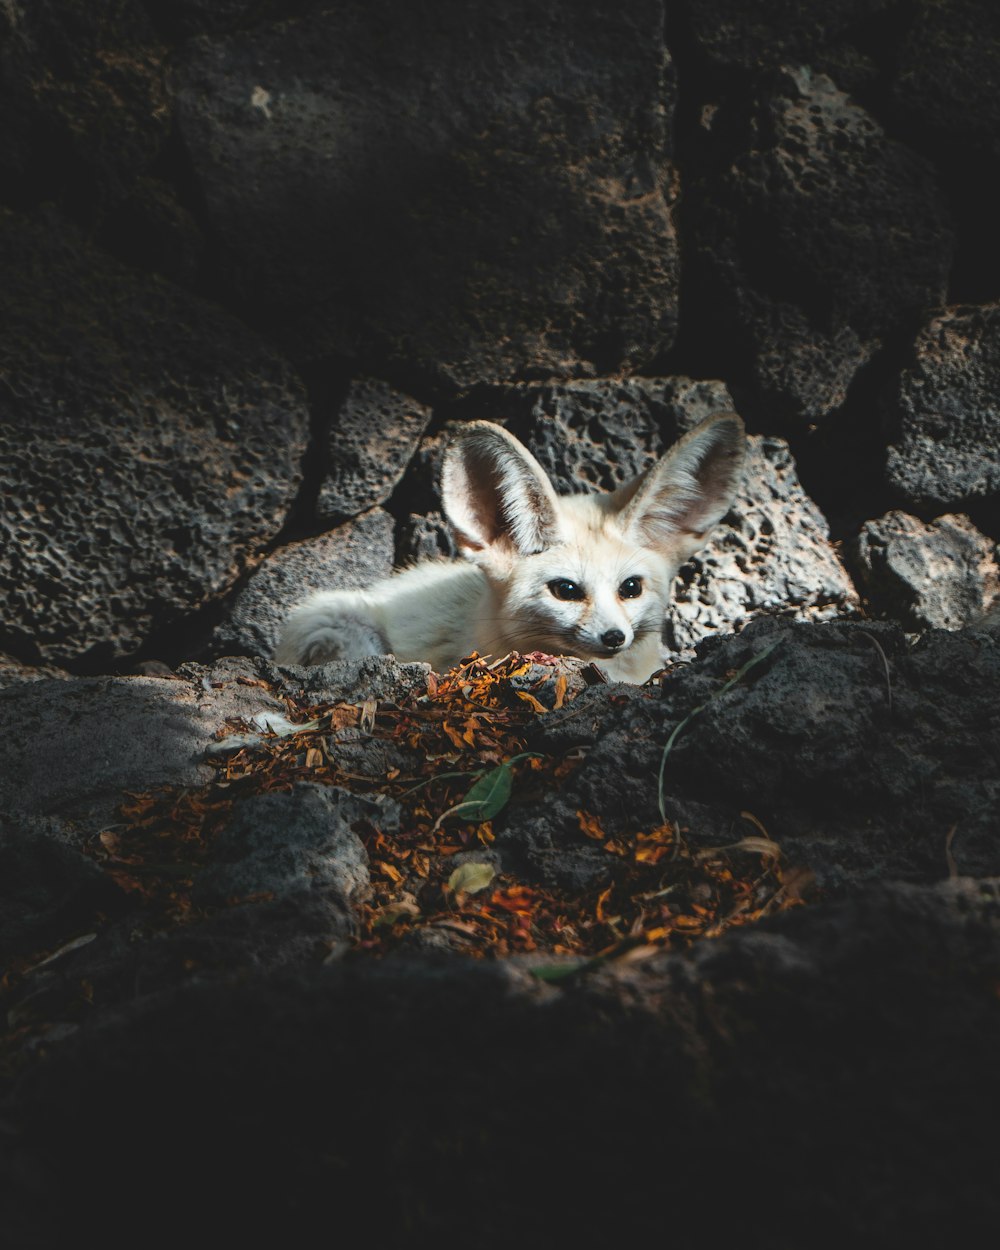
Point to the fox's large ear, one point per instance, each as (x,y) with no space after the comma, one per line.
(495,493)
(679,501)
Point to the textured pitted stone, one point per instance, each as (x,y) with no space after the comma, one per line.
(946,75)
(371,441)
(149,445)
(947,452)
(771,552)
(754,32)
(296,843)
(84,101)
(938,576)
(815,236)
(477,193)
(353,555)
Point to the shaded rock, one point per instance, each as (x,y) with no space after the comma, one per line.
(424,538)
(740,1030)
(379,677)
(369,445)
(505,215)
(770,553)
(938,576)
(48,887)
(735,32)
(149,445)
(12,671)
(946,74)
(302,842)
(84,100)
(946,453)
(815,236)
(353,555)
(74,747)
(807,743)
(151,229)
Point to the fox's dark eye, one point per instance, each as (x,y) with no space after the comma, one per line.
(631,588)
(562,588)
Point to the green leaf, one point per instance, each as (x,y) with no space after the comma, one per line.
(487,797)
(471,877)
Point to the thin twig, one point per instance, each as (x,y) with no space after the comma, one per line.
(885,664)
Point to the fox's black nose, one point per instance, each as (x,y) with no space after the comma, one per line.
(613,638)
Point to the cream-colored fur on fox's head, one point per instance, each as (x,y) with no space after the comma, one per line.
(586,575)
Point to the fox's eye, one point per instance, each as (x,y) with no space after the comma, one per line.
(631,588)
(562,588)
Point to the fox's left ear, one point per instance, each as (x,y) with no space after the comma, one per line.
(680,500)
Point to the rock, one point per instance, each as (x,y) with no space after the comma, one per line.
(806,742)
(379,677)
(815,237)
(740,1030)
(946,453)
(736,33)
(48,887)
(477,195)
(149,445)
(353,555)
(84,100)
(12,671)
(73,748)
(301,842)
(425,538)
(938,576)
(369,444)
(944,83)
(770,553)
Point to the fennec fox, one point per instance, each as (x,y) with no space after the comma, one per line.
(582,575)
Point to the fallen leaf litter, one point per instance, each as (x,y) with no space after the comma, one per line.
(465,734)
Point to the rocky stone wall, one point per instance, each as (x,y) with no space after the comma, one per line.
(257,255)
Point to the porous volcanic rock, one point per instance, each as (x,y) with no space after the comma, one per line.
(477,194)
(149,444)
(84,100)
(350,556)
(857,750)
(752,33)
(291,1068)
(938,576)
(946,74)
(815,237)
(770,553)
(945,408)
(12,671)
(424,537)
(299,842)
(369,444)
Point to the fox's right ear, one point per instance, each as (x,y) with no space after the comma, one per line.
(495,493)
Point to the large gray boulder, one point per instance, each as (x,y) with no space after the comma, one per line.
(945,413)
(938,576)
(475,194)
(369,444)
(149,445)
(351,556)
(816,235)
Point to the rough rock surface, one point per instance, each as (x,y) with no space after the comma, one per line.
(947,450)
(83,98)
(251,1018)
(424,537)
(857,773)
(369,445)
(289,844)
(353,555)
(148,445)
(504,215)
(938,576)
(12,671)
(771,553)
(816,235)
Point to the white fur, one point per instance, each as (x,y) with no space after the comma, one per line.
(519,537)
